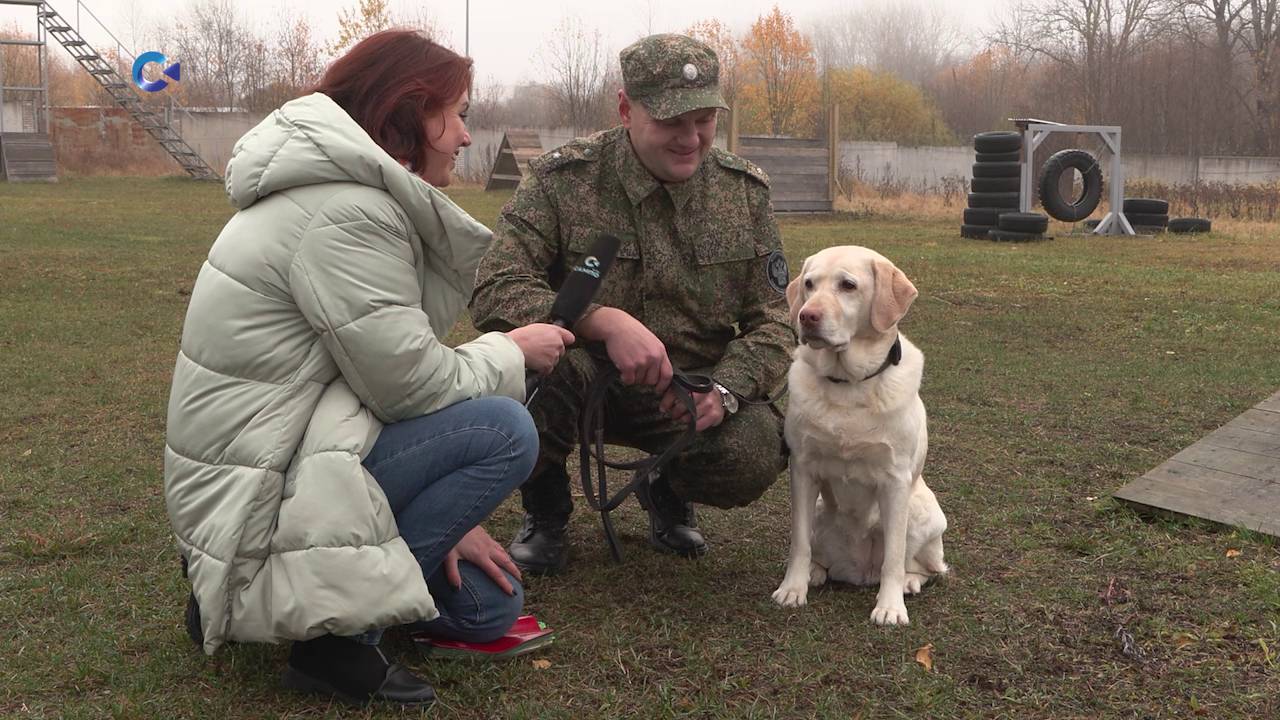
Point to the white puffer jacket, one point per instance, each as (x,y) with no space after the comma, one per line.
(316,318)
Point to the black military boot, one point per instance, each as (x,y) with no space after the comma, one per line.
(353,672)
(673,524)
(541,547)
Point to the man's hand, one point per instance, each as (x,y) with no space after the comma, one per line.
(708,406)
(639,355)
(477,548)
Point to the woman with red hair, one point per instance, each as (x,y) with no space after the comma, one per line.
(328,459)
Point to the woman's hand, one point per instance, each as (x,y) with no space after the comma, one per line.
(477,548)
(542,344)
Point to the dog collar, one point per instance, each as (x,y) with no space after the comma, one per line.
(893,358)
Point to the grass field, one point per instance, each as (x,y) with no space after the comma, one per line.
(1056,372)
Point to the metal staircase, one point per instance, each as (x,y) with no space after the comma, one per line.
(119,89)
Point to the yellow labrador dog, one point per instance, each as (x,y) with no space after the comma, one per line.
(860,511)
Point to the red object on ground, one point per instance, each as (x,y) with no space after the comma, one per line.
(526,635)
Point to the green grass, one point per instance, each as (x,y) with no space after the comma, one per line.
(1056,372)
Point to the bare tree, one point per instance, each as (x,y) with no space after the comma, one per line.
(421,18)
(1260,37)
(1092,40)
(647,13)
(574,61)
(298,55)
(218,53)
(912,39)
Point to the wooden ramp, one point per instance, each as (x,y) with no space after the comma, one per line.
(512,162)
(1231,476)
(27,157)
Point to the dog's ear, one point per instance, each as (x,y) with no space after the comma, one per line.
(794,292)
(893,295)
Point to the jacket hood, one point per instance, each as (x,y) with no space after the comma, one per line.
(312,140)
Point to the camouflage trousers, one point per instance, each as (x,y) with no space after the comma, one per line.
(726,466)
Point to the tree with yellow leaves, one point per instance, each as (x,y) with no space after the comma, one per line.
(367,18)
(720,39)
(782,89)
(882,106)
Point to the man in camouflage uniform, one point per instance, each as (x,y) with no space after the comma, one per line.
(698,283)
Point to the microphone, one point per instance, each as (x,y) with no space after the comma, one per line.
(577,291)
(583,281)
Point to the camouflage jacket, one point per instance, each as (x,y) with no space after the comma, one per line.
(700,264)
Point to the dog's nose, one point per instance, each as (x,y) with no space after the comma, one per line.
(810,317)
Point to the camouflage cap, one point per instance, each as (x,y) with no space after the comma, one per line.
(671,75)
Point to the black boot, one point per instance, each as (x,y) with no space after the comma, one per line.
(673,525)
(353,672)
(542,545)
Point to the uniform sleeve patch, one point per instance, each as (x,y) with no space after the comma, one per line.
(776,271)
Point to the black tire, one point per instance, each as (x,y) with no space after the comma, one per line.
(983,157)
(1136,218)
(997,170)
(1148,229)
(1146,206)
(1014,236)
(1051,197)
(994,200)
(194,631)
(1003,184)
(975,232)
(983,216)
(1024,222)
(1190,225)
(997,141)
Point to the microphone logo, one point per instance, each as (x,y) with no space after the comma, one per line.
(590,266)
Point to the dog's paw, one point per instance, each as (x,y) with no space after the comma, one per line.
(890,615)
(914,583)
(791,595)
(817,575)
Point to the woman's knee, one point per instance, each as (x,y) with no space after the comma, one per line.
(509,419)
(498,610)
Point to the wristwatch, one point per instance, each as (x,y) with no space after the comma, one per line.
(727,398)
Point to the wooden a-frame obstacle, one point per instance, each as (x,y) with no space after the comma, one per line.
(803,173)
(512,162)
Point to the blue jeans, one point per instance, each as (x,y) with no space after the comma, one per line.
(443,474)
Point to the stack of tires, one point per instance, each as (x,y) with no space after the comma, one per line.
(997,172)
(1148,216)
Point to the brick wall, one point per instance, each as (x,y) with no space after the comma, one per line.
(105,141)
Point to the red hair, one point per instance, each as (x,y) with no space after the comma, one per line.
(391,83)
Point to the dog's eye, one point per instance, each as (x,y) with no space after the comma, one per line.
(847,284)
(808,284)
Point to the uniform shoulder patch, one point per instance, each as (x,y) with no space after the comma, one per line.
(742,165)
(582,150)
(777,272)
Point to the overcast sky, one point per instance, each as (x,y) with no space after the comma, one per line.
(504,34)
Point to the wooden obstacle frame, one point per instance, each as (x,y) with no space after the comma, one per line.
(803,173)
(511,164)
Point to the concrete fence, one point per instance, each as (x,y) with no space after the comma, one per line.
(109,132)
(926,166)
